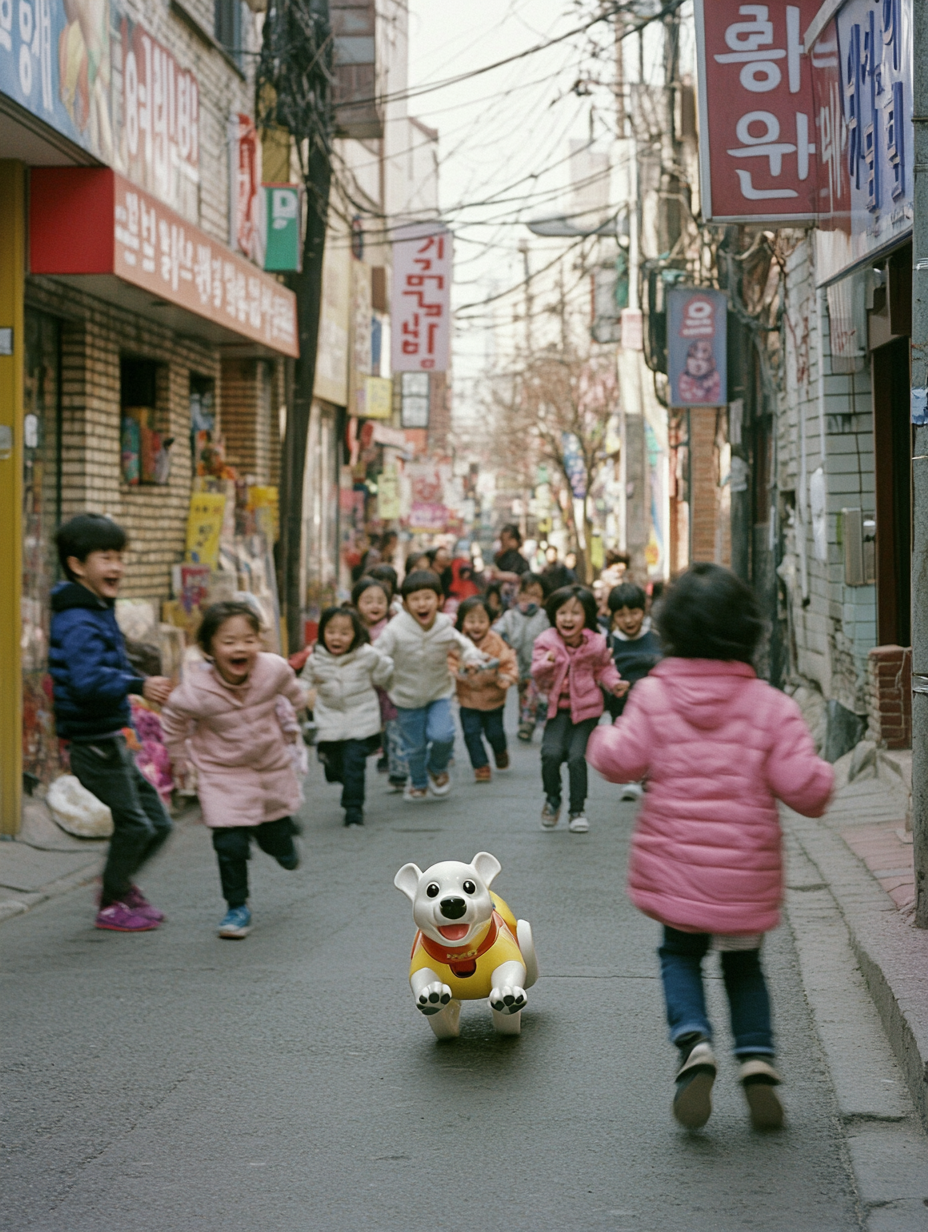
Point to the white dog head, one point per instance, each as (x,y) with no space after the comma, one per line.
(450,901)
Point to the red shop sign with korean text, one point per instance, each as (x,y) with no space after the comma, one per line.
(757,139)
(421,307)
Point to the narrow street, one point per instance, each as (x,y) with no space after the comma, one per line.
(171,1081)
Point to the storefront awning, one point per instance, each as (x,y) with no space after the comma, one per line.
(92,226)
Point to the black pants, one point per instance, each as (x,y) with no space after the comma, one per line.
(232,845)
(565,741)
(140,821)
(345,762)
(480,723)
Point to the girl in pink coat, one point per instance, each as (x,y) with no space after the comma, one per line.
(719,748)
(570,661)
(223,719)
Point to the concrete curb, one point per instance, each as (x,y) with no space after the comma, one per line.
(15,902)
(21,901)
(892,955)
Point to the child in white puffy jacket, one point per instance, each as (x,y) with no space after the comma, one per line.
(345,671)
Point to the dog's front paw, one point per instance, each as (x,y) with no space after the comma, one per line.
(508,999)
(433,998)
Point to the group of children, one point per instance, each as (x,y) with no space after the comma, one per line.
(715,746)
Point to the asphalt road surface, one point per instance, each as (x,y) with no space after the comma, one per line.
(170,1081)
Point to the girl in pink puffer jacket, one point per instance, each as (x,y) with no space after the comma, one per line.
(570,661)
(719,748)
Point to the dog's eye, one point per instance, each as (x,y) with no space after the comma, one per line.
(433,890)
(469,887)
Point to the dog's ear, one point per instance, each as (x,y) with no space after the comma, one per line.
(487,867)
(407,880)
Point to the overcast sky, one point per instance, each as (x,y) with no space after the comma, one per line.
(503,138)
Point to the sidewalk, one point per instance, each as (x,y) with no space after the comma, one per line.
(863,856)
(44,861)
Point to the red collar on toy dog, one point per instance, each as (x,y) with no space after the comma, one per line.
(463,963)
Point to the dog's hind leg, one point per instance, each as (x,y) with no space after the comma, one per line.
(507,1024)
(447,1023)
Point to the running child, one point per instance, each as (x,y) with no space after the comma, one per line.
(420,641)
(93,679)
(571,663)
(519,627)
(375,609)
(346,671)
(635,647)
(482,694)
(719,747)
(223,719)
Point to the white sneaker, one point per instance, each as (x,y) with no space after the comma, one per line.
(415,795)
(760,1081)
(578,823)
(440,784)
(549,816)
(692,1103)
(631,791)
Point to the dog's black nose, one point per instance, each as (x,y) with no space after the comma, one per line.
(453,908)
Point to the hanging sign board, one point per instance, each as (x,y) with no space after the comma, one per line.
(862,84)
(283,208)
(697,354)
(421,308)
(757,139)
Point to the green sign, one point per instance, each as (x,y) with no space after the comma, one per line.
(284,217)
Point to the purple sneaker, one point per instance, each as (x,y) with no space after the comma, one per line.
(122,919)
(136,901)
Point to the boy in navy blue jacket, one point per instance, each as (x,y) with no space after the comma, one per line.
(635,648)
(92,682)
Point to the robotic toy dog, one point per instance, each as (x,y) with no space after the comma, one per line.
(469,945)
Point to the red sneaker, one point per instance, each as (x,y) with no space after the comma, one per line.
(120,919)
(136,901)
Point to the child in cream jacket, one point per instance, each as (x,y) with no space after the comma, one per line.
(419,641)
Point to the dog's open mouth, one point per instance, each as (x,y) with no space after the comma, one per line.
(453,932)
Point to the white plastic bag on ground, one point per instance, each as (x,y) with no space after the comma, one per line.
(76,810)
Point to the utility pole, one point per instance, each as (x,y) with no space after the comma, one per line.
(294,92)
(920,466)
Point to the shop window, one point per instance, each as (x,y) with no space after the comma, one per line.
(202,423)
(228,27)
(41,515)
(146,450)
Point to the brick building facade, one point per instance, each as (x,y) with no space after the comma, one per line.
(88,348)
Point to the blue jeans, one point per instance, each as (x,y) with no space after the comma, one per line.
(749,1003)
(428,739)
(476,724)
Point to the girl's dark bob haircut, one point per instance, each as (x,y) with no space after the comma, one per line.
(421,579)
(584,597)
(469,604)
(385,574)
(360,633)
(365,583)
(531,579)
(708,613)
(627,594)
(217,614)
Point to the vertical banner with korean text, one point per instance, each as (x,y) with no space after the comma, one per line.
(862,85)
(757,140)
(421,308)
(697,350)
(247,224)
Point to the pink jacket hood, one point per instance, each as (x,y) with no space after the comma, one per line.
(590,666)
(719,748)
